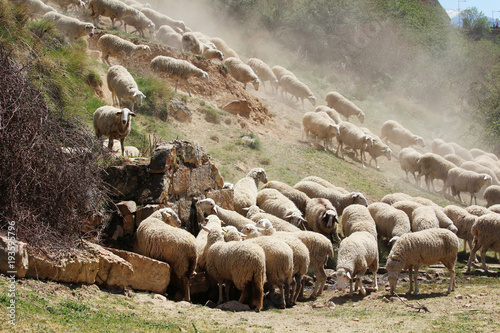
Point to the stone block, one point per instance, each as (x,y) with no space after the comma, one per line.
(15,250)
(128,224)
(126,207)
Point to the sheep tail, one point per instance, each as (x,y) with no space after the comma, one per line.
(257,294)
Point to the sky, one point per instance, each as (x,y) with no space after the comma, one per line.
(485,6)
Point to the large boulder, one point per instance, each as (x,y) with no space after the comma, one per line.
(13,257)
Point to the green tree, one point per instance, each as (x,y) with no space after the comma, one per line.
(475,22)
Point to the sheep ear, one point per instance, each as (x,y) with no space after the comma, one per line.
(132,114)
(245,209)
(222,222)
(119,112)
(348,275)
(393,239)
(205,228)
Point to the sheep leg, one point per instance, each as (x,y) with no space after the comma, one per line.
(475,247)
(320,282)
(244,294)
(451,269)
(122,143)
(410,275)
(221,297)
(415,276)
(284,298)
(483,258)
(185,282)
(350,288)
(375,282)
(293,291)
(110,143)
(189,88)
(362,289)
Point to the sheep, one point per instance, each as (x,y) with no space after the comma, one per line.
(408,160)
(463,220)
(319,127)
(114,9)
(71,27)
(290,84)
(395,197)
(123,87)
(358,218)
(426,247)
(334,115)
(177,69)
(229,217)
(434,166)
(211,222)
(64,4)
(191,43)
(492,195)
(489,163)
(325,183)
(36,8)
(390,222)
(460,180)
(299,198)
(338,199)
(167,35)
(264,72)
(175,246)
(140,24)
(114,123)
(352,136)
(423,217)
(462,152)
(256,214)
(280,71)
(455,159)
(160,19)
(245,190)
(274,202)
(111,45)
(474,166)
(243,263)
(442,148)
(377,149)
(476,152)
(344,106)
(357,254)
(242,72)
(495,208)
(407,206)
(477,210)
(486,233)
(223,47)
(319,247)
(322,217)
(394,132)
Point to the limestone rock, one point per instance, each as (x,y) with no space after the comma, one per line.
(180,111)
(127,207)
(20,264)
(239,107)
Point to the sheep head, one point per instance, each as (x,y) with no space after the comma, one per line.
(170,217)
(359,198)
(207,206)
(394,266)
(255,83)
(312,99)
(296,219)
(232,234)
(250,231)
(138,97)
(418,141)
(361,116)
(343,278)
(125,115)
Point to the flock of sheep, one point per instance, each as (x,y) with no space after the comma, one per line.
(288,229)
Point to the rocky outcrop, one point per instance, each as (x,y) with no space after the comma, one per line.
(13,257)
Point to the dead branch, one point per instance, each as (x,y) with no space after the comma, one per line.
(419,307)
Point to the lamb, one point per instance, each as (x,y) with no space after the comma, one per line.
(358,218)
(352,136)
(344,106)
(390,222)
(378,149)
(357,254)
(123,87)
(114,123)
(245,190)
(167,35)
(274,202)
(256,214)
(423,218)
(242,72)
(460,180)
(394,132)
(290,84)
(114,9)
(339,200)
(140,24)
(463,220)
(319,127)
(111,45)
(334,115)
(264,72)
(177,69)
(223,47)
(486,232)
(492,195)
(322,217)
(229,217)
(280,71)
(408,160)
(426,247)
(243,263)
(299,198)
(211,222)
(191,43)
(434,166)
(175,246)
(160,19)
(71,27)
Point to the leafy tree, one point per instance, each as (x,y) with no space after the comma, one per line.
(475,22)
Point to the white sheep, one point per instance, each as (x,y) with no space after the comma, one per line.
(423,217)
(280,71)
(191,43)
(407,206)
(64,4)
(322,217)
(357,254)
(476,152)
(242,72)
(114,123)
(264,72)
(394,132)
(256,214)
(353,137)
(395,197)
(408,160)
(229,217)
(495,208)
(377,149)
(114,9)
(479,168)
(358,218)
(441,147)
(344,106)
(177,69)
(338,199)
(455,159)
(298,89)
(274,202)
(245,190)
(390,222)
(486,233)
(36,8)
(299,198)
(140,24)
(461,180)
(223,47)
(243,263)
(463,220)
(315,125)
(325,183)
(462,152)
(477,210)
(489,163)
(160,19)
(434,166)
(334,115)
(211,222)
(426,247)
(167,35)
(111,45)
(71,27)
(123,87)
(492,195)
(159,240)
